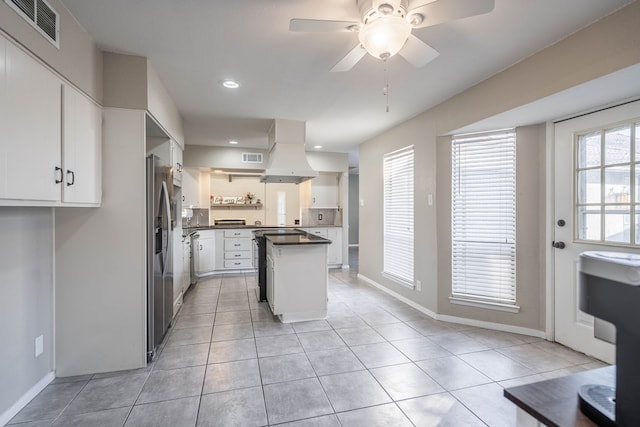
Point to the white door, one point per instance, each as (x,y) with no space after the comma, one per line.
(597,186)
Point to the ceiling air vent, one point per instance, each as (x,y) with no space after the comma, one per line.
(251,157)
(41,16)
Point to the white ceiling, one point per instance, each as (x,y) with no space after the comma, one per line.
(194,44)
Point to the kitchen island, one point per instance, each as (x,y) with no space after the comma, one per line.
(297,276)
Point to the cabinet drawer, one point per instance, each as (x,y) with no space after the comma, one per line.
(242,244)
(238,263)
(237,255)
(237,233)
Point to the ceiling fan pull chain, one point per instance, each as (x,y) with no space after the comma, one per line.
(385,90)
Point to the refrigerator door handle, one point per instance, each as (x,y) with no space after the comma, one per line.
(165,243)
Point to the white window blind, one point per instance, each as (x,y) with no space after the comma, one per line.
(483,215)
(398,216)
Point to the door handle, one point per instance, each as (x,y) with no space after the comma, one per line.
(558,245)
(59,177)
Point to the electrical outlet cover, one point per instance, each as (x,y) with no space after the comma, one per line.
(39,345)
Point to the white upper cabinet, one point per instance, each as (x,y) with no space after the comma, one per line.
(324,191)
(176,158)
(50,139)
(190,188)
(81,148)
(30,166)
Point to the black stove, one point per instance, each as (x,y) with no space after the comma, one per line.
(260,237)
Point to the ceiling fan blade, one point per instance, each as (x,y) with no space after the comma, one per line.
(417,52)
(319,25)
(440,11)
(349,60)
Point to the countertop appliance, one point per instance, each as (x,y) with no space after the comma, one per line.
(260,239)
(610,290)
(159,252)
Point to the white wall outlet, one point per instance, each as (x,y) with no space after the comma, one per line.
(418,285)
(39,345)
(430,199)
(361,202)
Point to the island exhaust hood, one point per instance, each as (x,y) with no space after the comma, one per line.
(287,157)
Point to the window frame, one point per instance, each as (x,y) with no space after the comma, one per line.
(398,264)
(465,243)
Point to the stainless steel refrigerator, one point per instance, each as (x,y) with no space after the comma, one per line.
(159,252)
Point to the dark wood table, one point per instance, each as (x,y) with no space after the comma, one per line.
(555,402)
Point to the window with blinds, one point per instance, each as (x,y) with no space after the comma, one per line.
(483,215)
(398,216)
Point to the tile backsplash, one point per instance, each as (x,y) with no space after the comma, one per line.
(317,216)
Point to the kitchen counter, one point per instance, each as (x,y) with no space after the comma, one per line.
(297,239)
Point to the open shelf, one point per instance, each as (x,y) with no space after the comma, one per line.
(235,205)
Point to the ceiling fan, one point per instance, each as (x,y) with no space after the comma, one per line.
(385,27)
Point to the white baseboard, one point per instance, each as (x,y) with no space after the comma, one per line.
(26,398)
(354,245)
(454,319)
(398,296)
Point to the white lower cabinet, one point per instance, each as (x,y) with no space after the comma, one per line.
(186,263)
(234,249)
(291,298)
(178,269)
(206,251)
(334,256)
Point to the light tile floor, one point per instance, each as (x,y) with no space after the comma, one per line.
(374,362)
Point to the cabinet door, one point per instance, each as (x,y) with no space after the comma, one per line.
(206,255)
(30,129)
(176,158)
(178,265)
(81,148)
(324,191)
(270,281)
(190,190)
(186,263)
(334,254)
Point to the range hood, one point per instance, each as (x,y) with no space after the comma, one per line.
(287,157)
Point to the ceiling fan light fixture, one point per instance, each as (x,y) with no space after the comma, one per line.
(415,19)
(385,36)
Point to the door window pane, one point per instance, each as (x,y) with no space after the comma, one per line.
(589,220)
(589,188)
(589,150)
(617,145)
(616,224)
(617,184)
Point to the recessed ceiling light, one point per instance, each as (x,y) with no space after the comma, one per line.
(230,84)
(233,142)
(317,146)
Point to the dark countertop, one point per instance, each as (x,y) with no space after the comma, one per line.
(188,230)
(554,402)
(297,239)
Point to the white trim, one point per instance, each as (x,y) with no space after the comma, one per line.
(26,398)
(510,308)
(354,245)
(550,303)
(399,280)
(398,296)
(345,266)
(459,320)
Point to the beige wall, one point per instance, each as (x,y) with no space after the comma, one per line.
(530,238)
(78,60)
(606,46)
(131,82)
